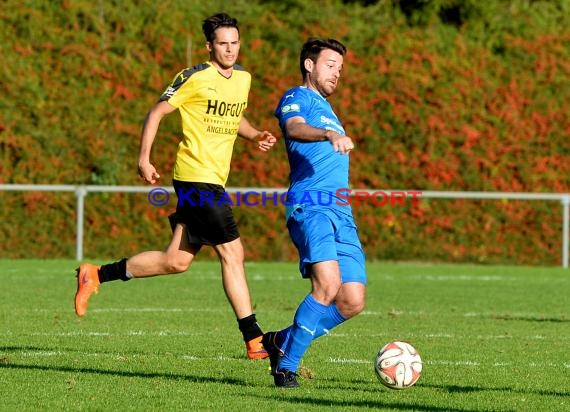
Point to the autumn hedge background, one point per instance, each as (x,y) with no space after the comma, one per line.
(439,95)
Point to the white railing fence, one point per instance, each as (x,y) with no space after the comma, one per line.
(82,190)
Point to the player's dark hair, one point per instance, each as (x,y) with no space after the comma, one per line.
(313,47)
(212,23)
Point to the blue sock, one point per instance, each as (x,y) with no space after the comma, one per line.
(300,336)
(331,319)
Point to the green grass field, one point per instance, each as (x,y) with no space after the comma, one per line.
(491,338)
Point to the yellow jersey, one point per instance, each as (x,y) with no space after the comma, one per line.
(211,107)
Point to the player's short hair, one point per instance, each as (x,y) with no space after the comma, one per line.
(313,47)
(212,23)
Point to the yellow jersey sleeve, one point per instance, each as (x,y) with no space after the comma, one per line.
(211,107)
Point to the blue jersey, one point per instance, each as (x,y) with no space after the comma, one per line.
(318,173)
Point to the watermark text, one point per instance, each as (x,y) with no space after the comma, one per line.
(341,197)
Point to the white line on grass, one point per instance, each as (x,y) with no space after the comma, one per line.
(443,362)
(224,358)
(490,315)
(43,354)
(146,310)
(463,278)
(126,333)
(429,362)
(452,363)
(141,310)
(78,333)
(390,335)
(382,335)
(344,360)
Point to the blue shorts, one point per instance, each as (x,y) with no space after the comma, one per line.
(325,234)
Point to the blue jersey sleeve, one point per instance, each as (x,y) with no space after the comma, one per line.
(295,102)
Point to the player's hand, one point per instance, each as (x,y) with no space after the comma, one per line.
(148,173)
(341,143)
(265,141)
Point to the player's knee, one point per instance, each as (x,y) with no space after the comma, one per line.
(351,308)
(231,260)
(231,253)
(356,308)
(326,293)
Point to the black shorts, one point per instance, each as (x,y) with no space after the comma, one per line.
(208,220)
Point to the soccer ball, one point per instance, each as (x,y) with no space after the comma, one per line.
(398,365)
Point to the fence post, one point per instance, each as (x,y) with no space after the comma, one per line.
(565,230)
(80,193)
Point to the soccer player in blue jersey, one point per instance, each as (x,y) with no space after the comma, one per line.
(320,224)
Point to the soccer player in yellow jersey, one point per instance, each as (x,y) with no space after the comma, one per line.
(211,98)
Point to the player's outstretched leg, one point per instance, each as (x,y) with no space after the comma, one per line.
(87,284)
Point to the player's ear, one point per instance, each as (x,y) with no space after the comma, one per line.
(309,64)
(208,46)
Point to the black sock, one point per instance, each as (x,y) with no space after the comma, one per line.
(114,271)
(249,328)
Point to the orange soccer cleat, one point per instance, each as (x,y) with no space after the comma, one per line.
(87,284)
(255,349)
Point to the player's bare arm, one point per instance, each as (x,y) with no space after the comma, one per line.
(264,139)
(146,170)
(298,129)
